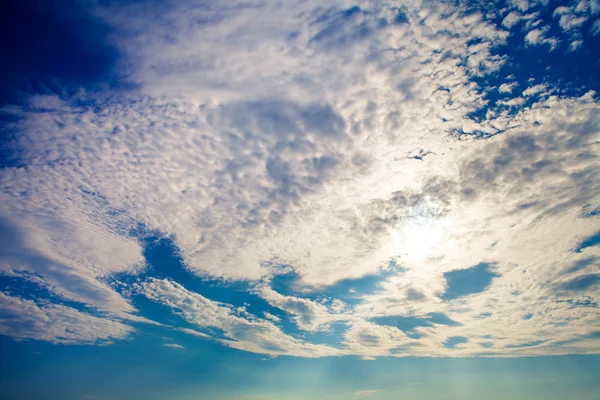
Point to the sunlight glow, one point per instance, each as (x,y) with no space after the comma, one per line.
(418,238)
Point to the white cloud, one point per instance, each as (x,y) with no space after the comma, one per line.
(195,333)
(24,319)
(173,346)
(522,5)
(537,37)
(287,142)
(572,18)
(528,227)
(575,45)
(272,317)
(309,315)
(511,19)
(507,87)
(536,89)
(595,29)
(562,10)
(569,22)
(250,334)
(261,188)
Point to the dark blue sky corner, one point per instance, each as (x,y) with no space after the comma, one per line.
(53,49)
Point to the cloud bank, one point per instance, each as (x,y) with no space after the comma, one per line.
(331,144)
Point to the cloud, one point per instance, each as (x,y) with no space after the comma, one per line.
(57,266)
(572,18)
(309,315)
(533,90)
(576,45)
(537,37)
(25,320)
(507,87)
(296,145)
(195,333)
(511,19)
(241,332)
(272,317)
(522,5)
(595,29)
(173,345)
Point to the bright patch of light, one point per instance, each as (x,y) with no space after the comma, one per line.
(418,238)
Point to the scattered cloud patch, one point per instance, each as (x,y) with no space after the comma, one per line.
(511,19)
(507,87)
(537,37)
(173,345)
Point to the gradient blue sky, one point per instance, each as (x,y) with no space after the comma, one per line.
(292,200)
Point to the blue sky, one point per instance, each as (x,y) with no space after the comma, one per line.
(291,200)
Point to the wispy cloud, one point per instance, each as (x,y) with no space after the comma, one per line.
(173,345)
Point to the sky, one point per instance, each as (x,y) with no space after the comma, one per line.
(286,200)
